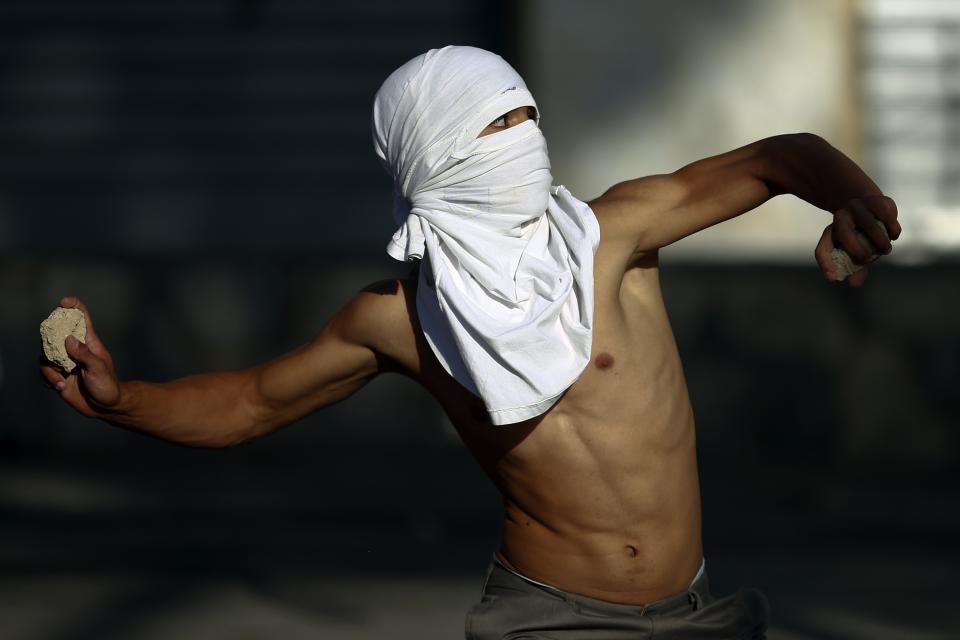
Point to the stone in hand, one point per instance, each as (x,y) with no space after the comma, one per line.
(844,265)
(54,331)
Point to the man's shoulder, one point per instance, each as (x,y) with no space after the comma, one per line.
(380,314)
(621,203)
(382,300)
(620,212)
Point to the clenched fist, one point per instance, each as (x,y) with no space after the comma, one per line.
(92,387)
(854,222)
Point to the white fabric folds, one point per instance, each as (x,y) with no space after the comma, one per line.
(505,292)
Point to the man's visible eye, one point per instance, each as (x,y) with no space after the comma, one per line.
(500,122)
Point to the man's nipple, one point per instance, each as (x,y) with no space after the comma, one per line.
(603,360)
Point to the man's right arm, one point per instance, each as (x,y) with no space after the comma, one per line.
(223,409)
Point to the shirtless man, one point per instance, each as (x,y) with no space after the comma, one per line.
(600,493)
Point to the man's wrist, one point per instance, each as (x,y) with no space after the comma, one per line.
(129,393)
(814,170)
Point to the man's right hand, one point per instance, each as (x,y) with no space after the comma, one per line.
(92,387)
(227,408)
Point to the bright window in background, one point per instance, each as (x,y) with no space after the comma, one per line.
(911,84)
(643,88)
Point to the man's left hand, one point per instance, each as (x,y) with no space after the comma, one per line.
(859,214)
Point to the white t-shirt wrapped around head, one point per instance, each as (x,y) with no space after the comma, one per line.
(505,292)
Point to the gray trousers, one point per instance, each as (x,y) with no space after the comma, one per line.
(511,608)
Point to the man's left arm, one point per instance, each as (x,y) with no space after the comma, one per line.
(658,210)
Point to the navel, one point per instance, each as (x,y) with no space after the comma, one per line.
(603,360)
(631,551)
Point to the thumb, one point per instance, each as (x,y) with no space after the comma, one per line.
(80,353)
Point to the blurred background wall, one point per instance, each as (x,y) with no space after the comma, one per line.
(201,175)
(691,80)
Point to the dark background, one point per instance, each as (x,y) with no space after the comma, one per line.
(201,174)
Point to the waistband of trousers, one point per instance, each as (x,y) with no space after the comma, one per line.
(692,597)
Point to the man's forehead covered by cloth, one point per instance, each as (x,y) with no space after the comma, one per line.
(437,103)
(505,295)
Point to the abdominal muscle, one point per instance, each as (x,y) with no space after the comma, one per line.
(623,526)
(601,493)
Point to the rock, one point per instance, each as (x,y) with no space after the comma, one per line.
(54,331)
(844,265)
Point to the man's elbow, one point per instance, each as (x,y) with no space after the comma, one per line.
(251,415)
(205,443)
(257,418)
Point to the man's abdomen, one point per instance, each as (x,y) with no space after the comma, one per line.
(610,514)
